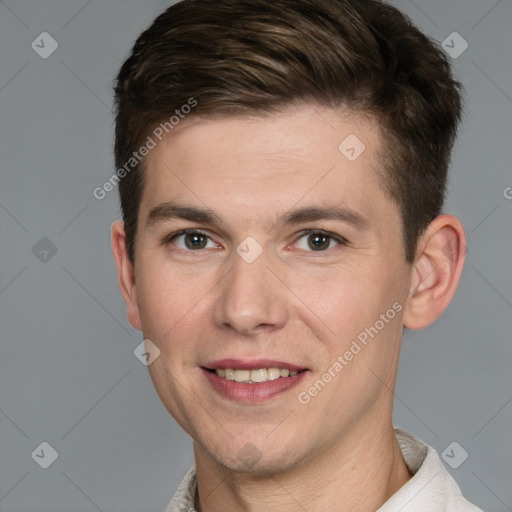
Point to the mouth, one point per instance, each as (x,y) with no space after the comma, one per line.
(256,381)
(255,376)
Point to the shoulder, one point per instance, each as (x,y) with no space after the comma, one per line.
(184,497)
(431,486)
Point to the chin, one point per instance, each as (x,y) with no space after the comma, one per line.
(257,458)
(262,467)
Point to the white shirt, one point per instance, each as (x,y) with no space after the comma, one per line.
(431,489)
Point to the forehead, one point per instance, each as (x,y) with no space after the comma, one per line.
(268,163)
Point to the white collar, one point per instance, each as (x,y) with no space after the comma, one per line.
(430,489)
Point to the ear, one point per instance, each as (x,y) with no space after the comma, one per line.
(125,273)
(436,271)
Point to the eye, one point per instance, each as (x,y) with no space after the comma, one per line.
(192,240)
(319,241)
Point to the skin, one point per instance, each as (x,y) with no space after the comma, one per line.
(291,304)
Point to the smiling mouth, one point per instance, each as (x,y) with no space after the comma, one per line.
(254,376)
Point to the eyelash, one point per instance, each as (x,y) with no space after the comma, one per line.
(169,239)
(339,239)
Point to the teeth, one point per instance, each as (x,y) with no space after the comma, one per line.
(275,373)
(242,375)
(259,375)
(254,376)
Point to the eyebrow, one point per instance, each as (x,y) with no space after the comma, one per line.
(315,213)
(169,211)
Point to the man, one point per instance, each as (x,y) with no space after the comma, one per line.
(282,167)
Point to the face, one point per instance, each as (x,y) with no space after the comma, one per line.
(263,248)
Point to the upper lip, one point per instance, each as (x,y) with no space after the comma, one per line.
(248,364)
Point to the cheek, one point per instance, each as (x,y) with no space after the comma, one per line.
(342,297)
(166,298)
(349,302)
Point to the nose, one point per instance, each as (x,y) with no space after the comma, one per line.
(251,299)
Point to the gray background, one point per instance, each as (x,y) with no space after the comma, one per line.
(68,375)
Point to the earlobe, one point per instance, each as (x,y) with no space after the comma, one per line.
(436,271)
(125,273)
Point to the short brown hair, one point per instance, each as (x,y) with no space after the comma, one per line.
(237,57)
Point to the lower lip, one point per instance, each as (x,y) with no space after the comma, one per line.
(252,393)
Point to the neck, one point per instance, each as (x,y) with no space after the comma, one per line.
(359,474)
